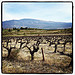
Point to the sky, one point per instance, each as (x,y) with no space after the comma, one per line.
(48,11)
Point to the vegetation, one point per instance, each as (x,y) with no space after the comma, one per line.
(9,30)
(33,31)
(18,30)
(49,52)
(66,30)
(55,51)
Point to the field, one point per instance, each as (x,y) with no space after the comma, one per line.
(37,51)
(35,32)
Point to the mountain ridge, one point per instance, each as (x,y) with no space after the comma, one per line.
(35,23)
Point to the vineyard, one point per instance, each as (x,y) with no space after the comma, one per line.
(37,54)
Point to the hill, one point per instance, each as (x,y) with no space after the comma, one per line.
(33,23)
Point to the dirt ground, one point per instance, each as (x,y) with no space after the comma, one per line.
(20,61)
(54,63)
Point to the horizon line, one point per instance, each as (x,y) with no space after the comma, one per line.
(36,19)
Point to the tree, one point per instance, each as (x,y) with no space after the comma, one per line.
(35,47)
(14,28)
(21,28)
(9,30)
(26,28)
(8,48)
(18,30)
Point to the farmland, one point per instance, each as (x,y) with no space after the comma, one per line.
(35,32)
(37,51)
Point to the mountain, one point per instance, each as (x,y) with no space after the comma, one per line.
(33,23)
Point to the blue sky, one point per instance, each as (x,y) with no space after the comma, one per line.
(49,11)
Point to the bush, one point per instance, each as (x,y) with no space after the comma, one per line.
(9,30)
(14,28)
(24,28)
(23,33)
(18,30)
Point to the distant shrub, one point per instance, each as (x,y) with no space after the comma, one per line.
(23,28)
(9,30)
(23,33)
(18,30)
(14,28)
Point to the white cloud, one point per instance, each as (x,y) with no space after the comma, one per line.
(61,12)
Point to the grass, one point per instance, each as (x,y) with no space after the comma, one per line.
(50,65)
(24,32)
(20,63)
(14,53)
